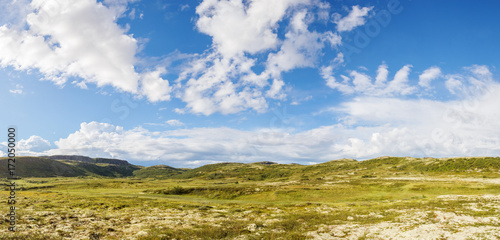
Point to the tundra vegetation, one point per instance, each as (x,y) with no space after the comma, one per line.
(382,198)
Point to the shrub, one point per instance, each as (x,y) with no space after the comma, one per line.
(178,190)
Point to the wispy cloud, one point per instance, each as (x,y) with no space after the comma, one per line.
(361,83)
(17,90)
(428,75)
(174,123)
(355,18)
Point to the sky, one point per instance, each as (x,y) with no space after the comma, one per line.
(187,83)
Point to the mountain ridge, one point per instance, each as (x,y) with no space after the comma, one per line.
(68,166)
(79,166)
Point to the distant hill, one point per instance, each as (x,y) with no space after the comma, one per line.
(382,166)
(158,171)
(40,167)
(88,159)
(72,166)
(69,166)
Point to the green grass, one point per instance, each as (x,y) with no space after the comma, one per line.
(295,208)
(257,201)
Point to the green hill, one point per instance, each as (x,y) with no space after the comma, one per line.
(158,171)
(73,166)
(46,167)
(40,167)
(382,166)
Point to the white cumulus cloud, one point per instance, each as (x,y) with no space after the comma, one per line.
(32,144)
(78,39)
(224,80)
(236,28)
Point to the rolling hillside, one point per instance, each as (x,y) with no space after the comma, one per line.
(69,166)
(158,171)
(377,167)
(40,167)
(73,166)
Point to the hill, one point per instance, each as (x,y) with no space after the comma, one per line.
(382,166)
(386,197)
(88,159)
(69,166)
(73,166)
(40,167)
(158,171)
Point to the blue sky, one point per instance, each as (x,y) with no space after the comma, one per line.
(187,83)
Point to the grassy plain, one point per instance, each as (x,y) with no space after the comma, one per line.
(385,198)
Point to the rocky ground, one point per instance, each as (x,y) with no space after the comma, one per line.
(476,218)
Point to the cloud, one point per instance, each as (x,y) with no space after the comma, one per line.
(32,144)
(184,7)
(474,81)
(420,127)
(480,71)
(174,123)
(301,47)
(224,80)
(14,13)
(82,42)
(236,28)
(361,83)
(382,74)
(423,127)
(81,85)
(155,87)
(331,81)
(210,87)
(197,145)
(381,110)
(399,84)
(298,101)
(386,126)
(78,39)
(17,90)
(355,18)
(61,42)
(428,75)
(454,83)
